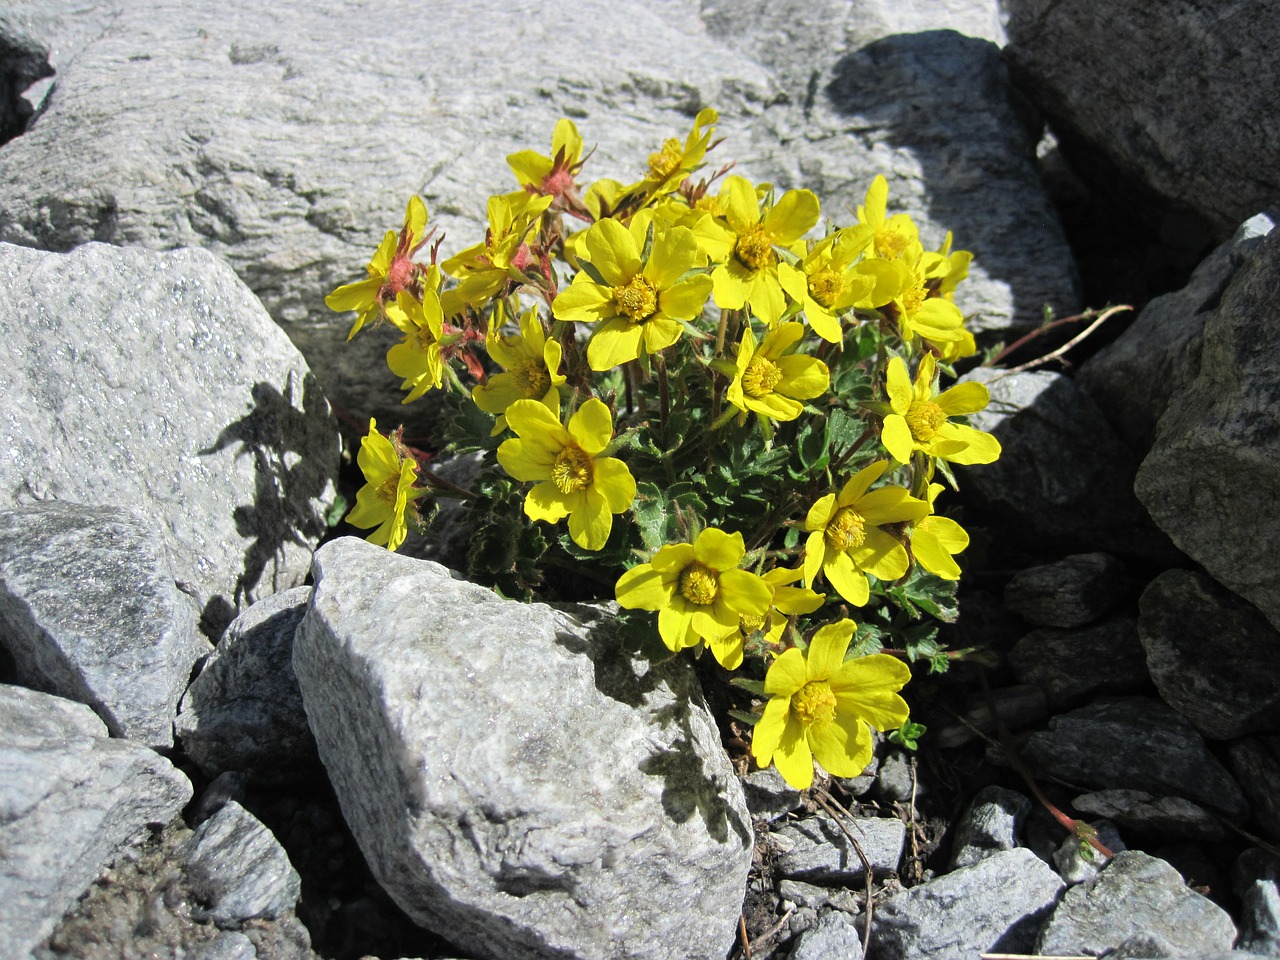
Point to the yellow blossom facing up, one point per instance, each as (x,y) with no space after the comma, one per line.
(832,286)
(674,161)
(417,357)
(483,270)
(531,370)
(920,418)
(571,478)
(749,271)
(769,381)
(936,540)
(388,490)
(788,601)
(551,176)
(846,536)
(391,271)
(641,302)
(891,235)
(821,707)
(699,592)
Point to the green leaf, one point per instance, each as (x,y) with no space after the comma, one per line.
(336,511)
(751,686)
(908,735)
(748,718)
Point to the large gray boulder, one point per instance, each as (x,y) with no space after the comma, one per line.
(89,612)
(515,780)
(157,381)
(1216,458)
(71,799)
(313,130)
(1179,98)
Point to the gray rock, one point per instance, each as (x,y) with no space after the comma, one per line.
(1133,378)
(1072,592)
(244,711)
(815,848)
(1137,743)
(167,389)
(1256,763)
(228,945)
(238,871)
(1218,444)
(988,826)
(834,937)
(1174,817)
(71,798)
(89,612)
(768,796)
(513,778)
(1063,476)
(1017,706)
(1077,861)
(286,191)
(1072,665)
(815,897)
(1256,881)
(1136,894)
(898,780)
(1192,54)
(997,905)
(1212,656)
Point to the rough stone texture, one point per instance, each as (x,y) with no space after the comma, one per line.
(513,778)
(996,905)
(815,848)
(89,612)
(768,796)
(1213,657)
(816,896)
(1136,743)
(1256,881)
(1071,665)
(238,871)
(313,130)
(1136,894)
(1173,817)
(1256,763)
(989,825)
(157,381)
(1217,449)
(1195,55)
(70,799)
(836,934)
(1077,862)
(1063,476)
(1133,378)
(1069,593)
(244,711)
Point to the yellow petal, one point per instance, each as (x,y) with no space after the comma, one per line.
(745,592)
(967,397)
(827,649)
(591,427)
(848,580)
(545,502)
(644,588)
(793,757)
(719,550)
(898,386)
(614,482)
(767,734)
(786,674)
(896,437)
(590,521)
(842,746)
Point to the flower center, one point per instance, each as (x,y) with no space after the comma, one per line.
(913,298)
(572,470)
(924,419)
(667,160)
(699,584)
(399,274)
(750,623)
(637,301)
(846,530)
(890,244)
(826,285)
(760,377)
(755,248)
(532,379)
(389,489)
(709,204)
(814,702)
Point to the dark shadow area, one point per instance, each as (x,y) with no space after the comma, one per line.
(23,61)
(282,441)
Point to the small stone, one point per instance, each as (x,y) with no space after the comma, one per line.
(898,778)
(989,825)
(1070,593)
(1078,861)
(1070,665)
(813,895)
(1144,813)
(835,934)
(768,795)
(1256,880)
(819,849)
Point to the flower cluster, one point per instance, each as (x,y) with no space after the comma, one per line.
(734,406)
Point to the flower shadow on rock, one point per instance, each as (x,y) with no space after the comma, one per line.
(286,488)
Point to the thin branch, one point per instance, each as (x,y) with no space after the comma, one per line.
(827,802)
(1057,354)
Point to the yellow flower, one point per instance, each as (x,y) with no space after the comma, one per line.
(770,382)
(892,235)
(532,370)
(935,540)
(390,271)
(641,301)
(669,167)
(699,592)
(787,601)
(571,478)
(846,539)
(822,706)
(388,491)
(551,176)
(919,420)
(417,357)
(742,244)
(902,292)
(831,284)
(484,269)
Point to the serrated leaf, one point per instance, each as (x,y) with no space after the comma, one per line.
(751,719)
(751,686)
